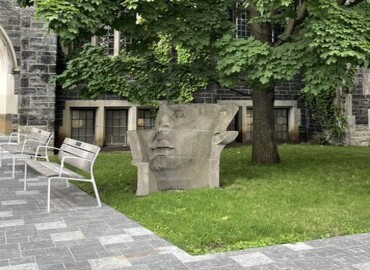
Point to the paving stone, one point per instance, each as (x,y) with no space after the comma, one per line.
(362,266)
(67,236)
(10,253)
(6,214)
(264,267)
(315,263)
(253,259)
(209,264)
(169,265)
(28,266)
(109,263)
(21,233)
(298,246)
(11,223)
(27,192)
(52,267)
(344,260)
(115,239)
(230,267)
(287,265)
(103,254)
(23,260)
(80,265)
(36,245)
(86,248)
(14,202)
(86,256)
(50,225)
(33,252)
(58,250)
(153,259)
(138,231)
(329,252)
(136,267)
(117,248)
(89,241)
(56,258)
(23,239)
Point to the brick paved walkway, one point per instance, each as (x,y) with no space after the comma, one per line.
(77,235)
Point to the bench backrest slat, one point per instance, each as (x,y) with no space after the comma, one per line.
(74,148)
(38,137)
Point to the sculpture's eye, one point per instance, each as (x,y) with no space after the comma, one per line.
(179,114)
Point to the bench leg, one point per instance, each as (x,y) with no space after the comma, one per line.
(13,167)
(1,156)
(96,192)
(25,177)
(48,201)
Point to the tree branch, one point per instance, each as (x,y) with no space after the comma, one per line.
(292,24)
(261,31)
(349,3)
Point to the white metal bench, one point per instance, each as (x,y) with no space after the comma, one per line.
(19,148)
(78,154)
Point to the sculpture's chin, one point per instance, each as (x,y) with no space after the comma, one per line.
(168,163)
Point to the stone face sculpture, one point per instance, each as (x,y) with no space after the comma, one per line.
(183,151)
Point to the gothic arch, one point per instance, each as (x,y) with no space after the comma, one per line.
(9,50)
(8,67)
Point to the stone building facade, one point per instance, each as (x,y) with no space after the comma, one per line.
(27,61)
(28,58)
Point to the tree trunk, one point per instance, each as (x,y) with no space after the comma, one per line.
(264,142)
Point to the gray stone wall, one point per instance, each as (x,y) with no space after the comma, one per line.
(10,21)
(361,98)
(36,55)
(283,91)
(38,61)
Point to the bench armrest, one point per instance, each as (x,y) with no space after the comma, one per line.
(13,138)
(71,157)
(27,141)
(46,147)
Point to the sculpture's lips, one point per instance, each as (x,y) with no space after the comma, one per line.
(160,143)
(162,150)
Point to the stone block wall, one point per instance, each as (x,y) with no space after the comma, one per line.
(38,62)
(284,91)
(361,97)
(35,50)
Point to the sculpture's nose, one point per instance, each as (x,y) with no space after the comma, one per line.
(165,122)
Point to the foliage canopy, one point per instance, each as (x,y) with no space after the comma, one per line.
(181,46)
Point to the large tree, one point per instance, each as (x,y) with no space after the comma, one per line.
(181,46)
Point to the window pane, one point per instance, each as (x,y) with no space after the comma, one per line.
(281,124)
(83,125)
(145,119)
(116,126)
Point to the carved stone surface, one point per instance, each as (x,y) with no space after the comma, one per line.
(183,151)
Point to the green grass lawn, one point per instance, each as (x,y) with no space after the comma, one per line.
(315,192)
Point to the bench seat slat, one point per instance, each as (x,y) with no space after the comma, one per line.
(51,169)
(17,149)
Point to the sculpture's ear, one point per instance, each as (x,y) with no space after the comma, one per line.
(224,137)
